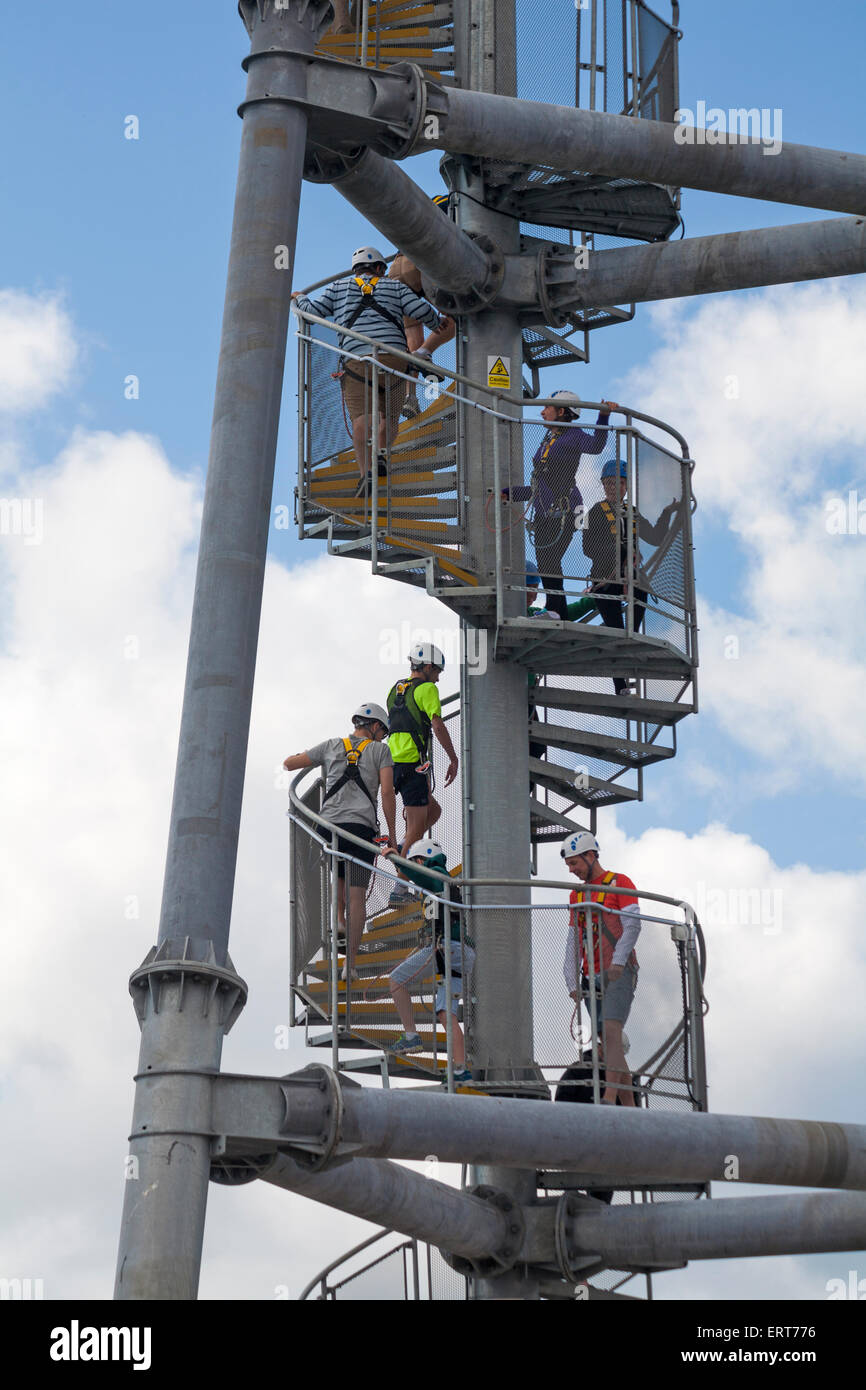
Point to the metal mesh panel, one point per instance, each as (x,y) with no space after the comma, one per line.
(657,67)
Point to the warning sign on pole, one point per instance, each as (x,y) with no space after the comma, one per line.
(499,373)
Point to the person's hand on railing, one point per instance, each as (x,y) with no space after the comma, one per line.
(608,406)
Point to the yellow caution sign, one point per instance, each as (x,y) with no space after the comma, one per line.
(499,373)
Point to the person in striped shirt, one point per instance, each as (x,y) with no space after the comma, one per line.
(377,307)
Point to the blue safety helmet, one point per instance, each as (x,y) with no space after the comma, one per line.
(616,468)
(533,581)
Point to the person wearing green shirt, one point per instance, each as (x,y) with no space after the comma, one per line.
(415,712)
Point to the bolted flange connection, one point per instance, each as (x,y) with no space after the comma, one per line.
(480,295)
(317,14)
(311,1151)
(193,964)
(572,1266)
(326,166)
(505,1258)
(238,1172)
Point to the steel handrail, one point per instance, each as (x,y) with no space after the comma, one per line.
(423,364)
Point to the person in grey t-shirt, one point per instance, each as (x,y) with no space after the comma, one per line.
(356,769)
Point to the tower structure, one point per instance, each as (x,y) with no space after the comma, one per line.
(343,109)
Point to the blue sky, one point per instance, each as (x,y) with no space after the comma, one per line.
(133,235)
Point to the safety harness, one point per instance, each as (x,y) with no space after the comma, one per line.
(353,772)
(614,529)
(608,934)
(407,718)
(367,301)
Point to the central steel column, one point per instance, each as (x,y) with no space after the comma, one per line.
(494,704)
(187,994)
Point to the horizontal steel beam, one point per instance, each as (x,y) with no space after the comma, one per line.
(680,1148)
(646,1237)
(702,265)
(312,1112)
(562,137)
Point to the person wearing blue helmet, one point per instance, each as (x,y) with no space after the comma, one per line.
(553,491)
(605,543)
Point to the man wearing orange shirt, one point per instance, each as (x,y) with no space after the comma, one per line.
(614,929)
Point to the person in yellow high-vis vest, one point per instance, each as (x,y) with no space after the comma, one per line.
(614,928)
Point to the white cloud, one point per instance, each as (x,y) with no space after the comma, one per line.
(37,350)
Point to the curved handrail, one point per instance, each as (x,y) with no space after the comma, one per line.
(341,1259)
(423,363)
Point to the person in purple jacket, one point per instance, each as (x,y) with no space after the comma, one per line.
(553,489)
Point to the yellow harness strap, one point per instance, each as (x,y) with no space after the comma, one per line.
(353,754)
(367,286)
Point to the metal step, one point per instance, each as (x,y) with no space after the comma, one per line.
(587,649)
(598,792)
(631,707)
(628,752)
(577,201)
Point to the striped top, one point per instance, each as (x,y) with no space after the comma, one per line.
(339,301)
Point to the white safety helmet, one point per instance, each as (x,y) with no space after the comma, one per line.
(580,843)
(425,654)
(366,256)
(568,398)
(426,849)
(365,714)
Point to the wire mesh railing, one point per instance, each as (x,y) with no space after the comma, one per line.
(602,514)
(398,985)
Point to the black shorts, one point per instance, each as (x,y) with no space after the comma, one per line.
(412,785)
(357,875)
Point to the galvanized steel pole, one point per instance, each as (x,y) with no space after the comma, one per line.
(562,137)
(702,265)
(166,1196)
(731,1228)
(608,1142)
(493,702)
(402,1200)
(394,204)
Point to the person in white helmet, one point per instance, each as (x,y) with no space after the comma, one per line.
(415,712)
(378,307)
(556,499)
(614,927)
(431,874)
(356,770)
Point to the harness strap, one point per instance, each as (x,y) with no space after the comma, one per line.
(353,772)
(368,301)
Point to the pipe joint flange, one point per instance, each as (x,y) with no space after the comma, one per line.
(505,1258)
(238,1171)
(315,15)
(571,1263)
(312,1129)
(399,105)
(226,992)
(326,166)
(480,295)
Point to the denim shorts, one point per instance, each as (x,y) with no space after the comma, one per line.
(423,962)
